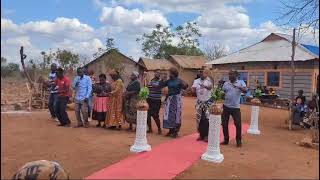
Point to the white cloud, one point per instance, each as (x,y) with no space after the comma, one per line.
(131,20)
(197,6)
(8,26)
(37,36)
(224,18)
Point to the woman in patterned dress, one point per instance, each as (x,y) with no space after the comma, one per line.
(114,114)
(131,100)
(173,104)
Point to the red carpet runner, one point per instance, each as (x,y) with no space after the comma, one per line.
(164,161)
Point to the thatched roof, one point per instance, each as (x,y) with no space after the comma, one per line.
(153,64)
(189,62)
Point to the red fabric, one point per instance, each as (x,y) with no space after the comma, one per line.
(101,104)
(64,86)
(164,161)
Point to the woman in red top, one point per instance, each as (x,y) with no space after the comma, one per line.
(63,84)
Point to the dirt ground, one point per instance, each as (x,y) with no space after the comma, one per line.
(273,154)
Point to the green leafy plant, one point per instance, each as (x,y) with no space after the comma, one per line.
(144,93)
(217,94)
(257,93)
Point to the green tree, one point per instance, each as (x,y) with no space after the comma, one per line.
(47,59)
(67,59)
(110,46)
(10,69)
(157,42)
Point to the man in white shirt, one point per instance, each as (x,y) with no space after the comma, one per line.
(202,87)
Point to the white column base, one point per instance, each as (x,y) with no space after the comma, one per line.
(137,148)
(217,158)
(141,143)
(213,150)
(253,129)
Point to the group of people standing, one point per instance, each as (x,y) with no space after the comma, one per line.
(113,104)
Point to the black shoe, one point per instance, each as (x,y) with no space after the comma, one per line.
(112,127)
(224,143)
(78,126)
(239,144)
(67,125)
(119,127)
(61,125)
(174,135)
(98,125)
(168,134)
(199,139)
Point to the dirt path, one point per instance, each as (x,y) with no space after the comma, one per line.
(28,137)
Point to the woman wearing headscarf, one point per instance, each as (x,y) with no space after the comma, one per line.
(114,114)
(101,101)
(131,100)
(173,104)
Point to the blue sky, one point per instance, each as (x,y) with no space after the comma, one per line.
(83,25)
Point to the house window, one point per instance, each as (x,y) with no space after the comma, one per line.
(244,77)
(273,79)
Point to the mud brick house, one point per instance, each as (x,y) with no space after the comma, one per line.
(115,59)
(268,63)
(188,66)
(150,65)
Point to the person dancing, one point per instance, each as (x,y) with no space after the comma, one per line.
(154,101)
(233,89)
(173,104)
(202,87)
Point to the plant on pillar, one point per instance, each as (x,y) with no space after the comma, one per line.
(217,95)
(143,95)
(257,94)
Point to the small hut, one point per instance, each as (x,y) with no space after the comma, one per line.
(117,60)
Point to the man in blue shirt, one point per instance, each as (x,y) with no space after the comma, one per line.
(53,91)
(83,87)
(233,89)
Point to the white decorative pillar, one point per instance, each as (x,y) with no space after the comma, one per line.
(213,151)
(140,143)
(253,129)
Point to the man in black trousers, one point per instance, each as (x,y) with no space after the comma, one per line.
(233,89)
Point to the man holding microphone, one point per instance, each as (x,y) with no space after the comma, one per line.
(83,88)
(233,89)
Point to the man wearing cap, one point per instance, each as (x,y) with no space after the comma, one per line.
(233,89)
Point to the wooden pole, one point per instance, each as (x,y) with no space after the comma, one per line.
(292,74)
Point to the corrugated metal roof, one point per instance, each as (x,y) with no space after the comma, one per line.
(189,62)
(313,49)
(276,50)
(153,64)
